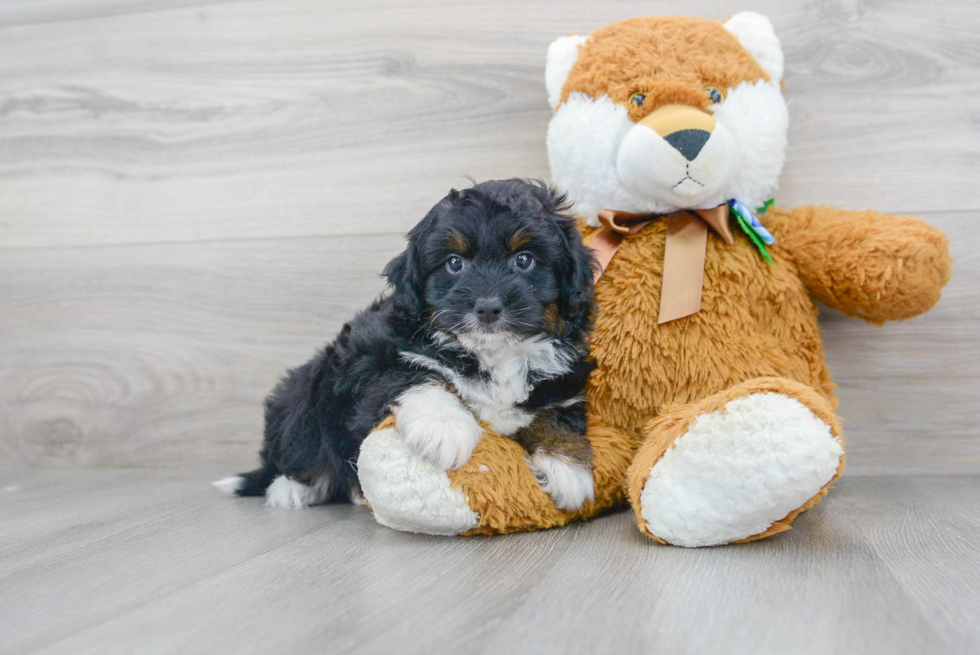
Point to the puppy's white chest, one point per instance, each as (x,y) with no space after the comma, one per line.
(494,399)
(506,382)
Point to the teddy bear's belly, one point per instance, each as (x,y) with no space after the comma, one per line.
(756,320)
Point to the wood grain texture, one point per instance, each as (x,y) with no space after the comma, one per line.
(195,195)
(155,562)
(208,120)
(160,355)
(915,524)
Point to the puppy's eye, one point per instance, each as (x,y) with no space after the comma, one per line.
(455,263)
(637,99)
(715,94)
(524,261)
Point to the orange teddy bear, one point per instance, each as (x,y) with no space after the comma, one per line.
(711,410)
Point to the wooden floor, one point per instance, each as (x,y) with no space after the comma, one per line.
(140,561)
(196,194)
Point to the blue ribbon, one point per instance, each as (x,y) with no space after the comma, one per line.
(753,222)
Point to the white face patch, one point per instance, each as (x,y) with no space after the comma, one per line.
(509,367)
(583,143)
(756,116)
(605,161)
(650,166)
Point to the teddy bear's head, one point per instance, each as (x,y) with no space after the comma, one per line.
(658,114)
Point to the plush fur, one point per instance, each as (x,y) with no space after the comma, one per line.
(407,492)
(492,298)
(746,464)
(774,459)
(602,154)
(721,426)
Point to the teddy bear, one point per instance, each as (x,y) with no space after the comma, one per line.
(711,410)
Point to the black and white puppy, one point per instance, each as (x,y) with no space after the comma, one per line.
(488,321)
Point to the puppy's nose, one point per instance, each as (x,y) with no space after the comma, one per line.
(488,309)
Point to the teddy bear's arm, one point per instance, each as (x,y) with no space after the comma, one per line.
(879,267)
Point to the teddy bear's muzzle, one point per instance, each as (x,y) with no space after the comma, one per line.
(678,155)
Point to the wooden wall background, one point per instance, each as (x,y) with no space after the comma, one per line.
(196,194)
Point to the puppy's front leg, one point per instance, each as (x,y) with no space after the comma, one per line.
(436,425)
(560,456)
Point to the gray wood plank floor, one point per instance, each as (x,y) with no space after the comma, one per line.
(142,561)
(194,195)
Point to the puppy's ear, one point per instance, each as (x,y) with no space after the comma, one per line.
(579,263)
(398,277)
(578,279)
(405,273)
(404,277)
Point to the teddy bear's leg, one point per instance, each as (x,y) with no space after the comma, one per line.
(406,492)
(495,492)
(736,466)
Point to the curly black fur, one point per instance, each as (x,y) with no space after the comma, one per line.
(318,414)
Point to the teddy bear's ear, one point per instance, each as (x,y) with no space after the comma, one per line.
(755,33)
(562,54)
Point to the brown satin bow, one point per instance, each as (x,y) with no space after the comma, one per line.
(687,239)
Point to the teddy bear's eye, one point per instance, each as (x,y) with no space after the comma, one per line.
(637,99)
(715,94)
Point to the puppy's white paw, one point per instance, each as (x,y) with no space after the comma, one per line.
(568,482)
(284,492)
(436,425)
(356,497)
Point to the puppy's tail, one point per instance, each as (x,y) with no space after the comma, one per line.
(247,484)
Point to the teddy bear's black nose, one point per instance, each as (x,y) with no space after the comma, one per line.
(688,142)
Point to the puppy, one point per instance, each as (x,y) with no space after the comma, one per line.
(487,322)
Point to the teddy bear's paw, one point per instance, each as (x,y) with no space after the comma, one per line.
(406,492)
(568,482)
(436,425)
(736,472)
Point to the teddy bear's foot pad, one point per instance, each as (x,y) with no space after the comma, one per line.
(737,471)
(408,493)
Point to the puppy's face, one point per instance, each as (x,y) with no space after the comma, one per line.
(495,264)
